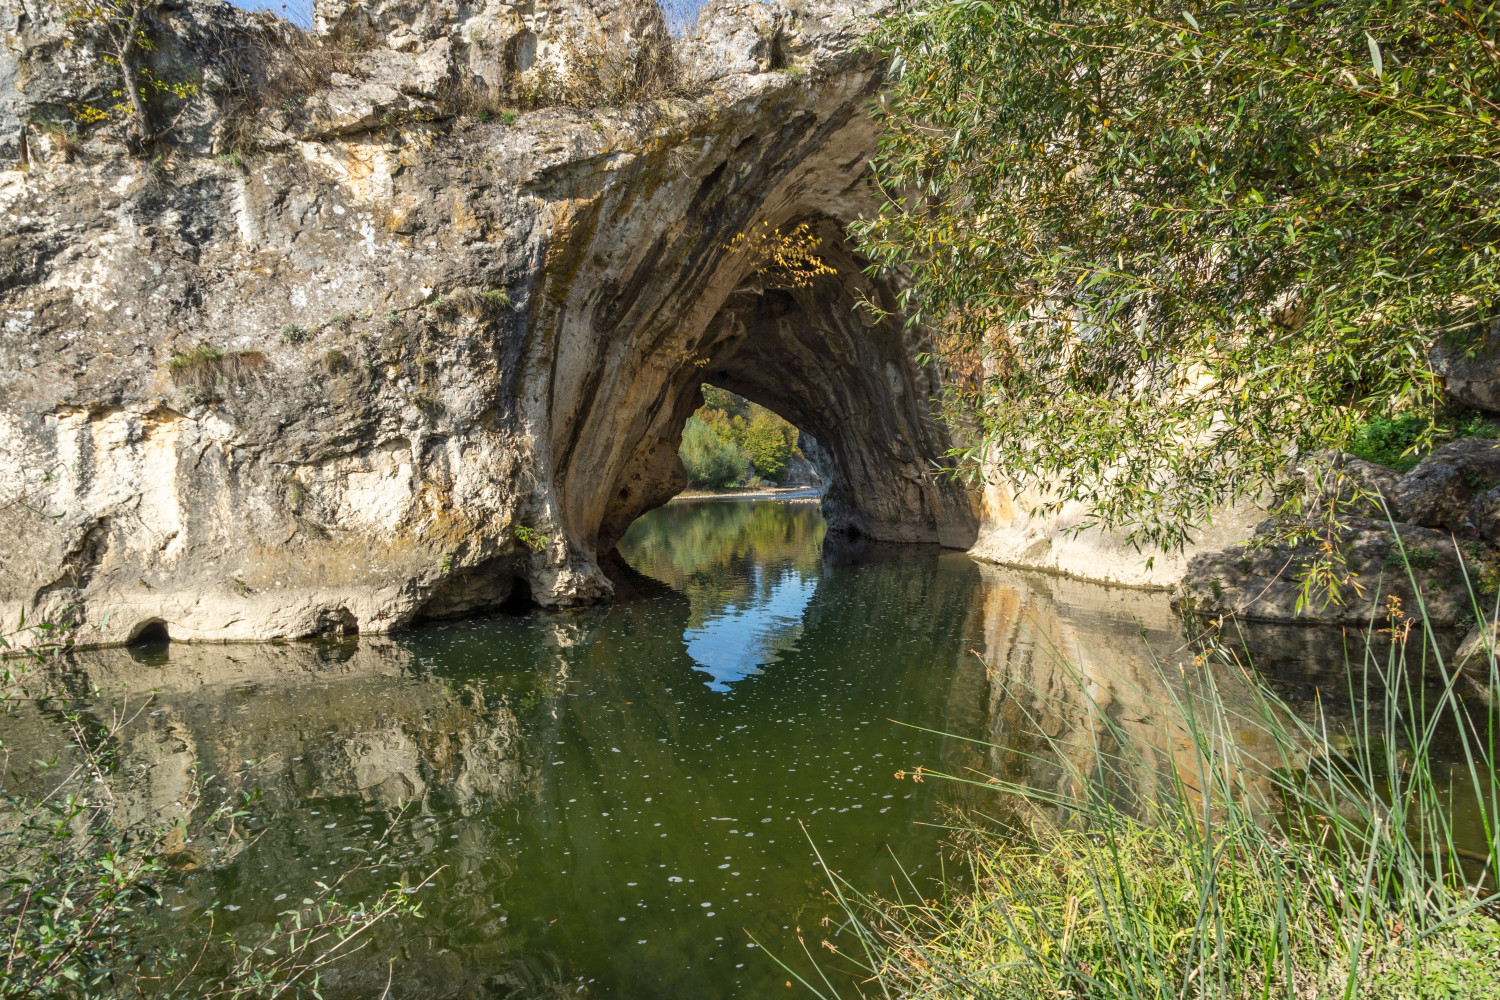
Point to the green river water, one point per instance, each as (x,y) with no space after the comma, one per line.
(630,801)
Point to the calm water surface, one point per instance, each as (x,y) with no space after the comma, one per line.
(616,801)
(617,798)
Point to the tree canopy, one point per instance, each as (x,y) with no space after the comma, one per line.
(1164,247)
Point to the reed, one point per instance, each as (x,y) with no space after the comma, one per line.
(1276,853)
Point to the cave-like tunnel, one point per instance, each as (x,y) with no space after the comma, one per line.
(814,353)
(645,298)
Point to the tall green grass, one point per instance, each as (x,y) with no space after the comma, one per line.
(1228,848)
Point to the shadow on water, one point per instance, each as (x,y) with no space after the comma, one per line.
(618,797)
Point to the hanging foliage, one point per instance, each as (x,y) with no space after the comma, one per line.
(1172,246)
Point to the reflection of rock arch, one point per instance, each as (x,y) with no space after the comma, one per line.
(1072,666)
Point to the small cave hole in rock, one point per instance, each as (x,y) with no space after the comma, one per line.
(519,600)
(152,633)
(779,58)
(337,623)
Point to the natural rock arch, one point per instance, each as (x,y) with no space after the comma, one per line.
(390,371)
(814,356)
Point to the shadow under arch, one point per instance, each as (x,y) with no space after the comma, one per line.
(837,371)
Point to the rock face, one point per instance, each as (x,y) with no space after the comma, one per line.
(1070,542)
(1376,535)
(382,349)
(1471,377)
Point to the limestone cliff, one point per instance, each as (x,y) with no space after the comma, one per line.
(354,341)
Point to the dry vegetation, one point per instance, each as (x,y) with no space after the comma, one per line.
(280,67)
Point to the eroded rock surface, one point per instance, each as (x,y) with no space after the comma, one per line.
(401,357)
(1265,578)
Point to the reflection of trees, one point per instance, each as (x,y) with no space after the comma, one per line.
(706,549)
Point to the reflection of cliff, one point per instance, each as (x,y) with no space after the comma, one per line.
(353,720)
(1074,667)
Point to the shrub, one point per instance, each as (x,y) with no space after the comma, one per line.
(1389,441)
(723,401)
(786,259)
(710,460)
(293,334)
(1168,243)
(768,442)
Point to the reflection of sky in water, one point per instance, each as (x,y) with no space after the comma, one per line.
(748,634)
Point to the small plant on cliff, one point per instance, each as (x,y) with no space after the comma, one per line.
(788,258)
(531,538)
(63,136)
(469,302)
(196,368)
(293,334)
(1164,246)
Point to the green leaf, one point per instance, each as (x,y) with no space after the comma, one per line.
(1191,20)
(1375,57)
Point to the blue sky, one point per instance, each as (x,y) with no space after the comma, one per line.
(296,11)
(300,11)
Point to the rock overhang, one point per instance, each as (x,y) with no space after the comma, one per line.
(372,374)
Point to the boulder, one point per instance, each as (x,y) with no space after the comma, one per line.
(1484,515)
(1477,657)
(1355,487)
(1437,493)
(1262,580)
(1471,374)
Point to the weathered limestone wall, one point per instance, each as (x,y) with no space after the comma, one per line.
(400,363)
(1062,543)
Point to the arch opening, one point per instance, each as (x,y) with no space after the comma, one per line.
(845,377)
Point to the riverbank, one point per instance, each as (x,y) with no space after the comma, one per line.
(753,493)
(1235,847)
